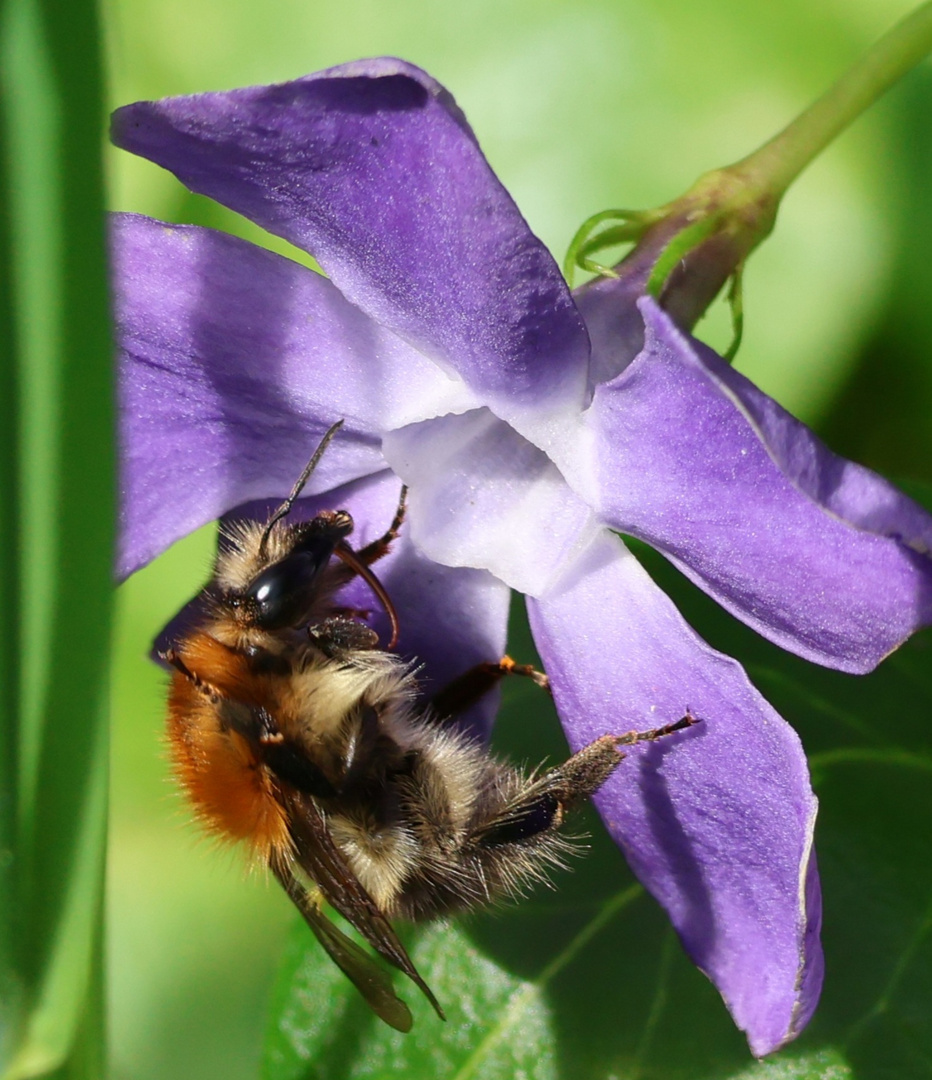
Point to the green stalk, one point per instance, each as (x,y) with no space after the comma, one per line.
(777,163)
(686,250)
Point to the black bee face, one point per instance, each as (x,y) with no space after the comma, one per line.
(283,594)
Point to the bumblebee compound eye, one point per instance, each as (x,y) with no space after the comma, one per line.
(282,594)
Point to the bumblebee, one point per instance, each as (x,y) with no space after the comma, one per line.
(291,730)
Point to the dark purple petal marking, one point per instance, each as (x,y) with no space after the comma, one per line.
(814,552)
(609,309)
(716,821)
(233,362)
(373,169)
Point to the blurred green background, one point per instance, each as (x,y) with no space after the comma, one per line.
(579,105)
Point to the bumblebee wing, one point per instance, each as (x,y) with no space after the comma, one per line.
(357,965)
(324,863)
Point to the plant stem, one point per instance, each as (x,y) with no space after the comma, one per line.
(778,162)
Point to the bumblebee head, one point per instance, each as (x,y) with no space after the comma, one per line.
(292,561)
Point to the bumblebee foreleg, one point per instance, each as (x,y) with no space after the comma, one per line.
(379,548)
(376,549)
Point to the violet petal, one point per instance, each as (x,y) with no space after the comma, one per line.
(481,495)
(373,169)
(233,363)
(716,821)
(814,552)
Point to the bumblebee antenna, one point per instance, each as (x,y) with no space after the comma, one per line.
(285,509)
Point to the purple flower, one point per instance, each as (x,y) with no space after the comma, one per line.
(529,432)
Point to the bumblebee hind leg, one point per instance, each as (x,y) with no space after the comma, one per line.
(540,806)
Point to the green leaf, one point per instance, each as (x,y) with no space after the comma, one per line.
(56,486)
(571,983)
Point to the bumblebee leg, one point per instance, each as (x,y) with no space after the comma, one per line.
(542,804)
(470,687)
(357,563)
(684,722)
(339,634)
(171,657)
(379,548)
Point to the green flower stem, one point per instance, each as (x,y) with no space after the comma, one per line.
(688,249)
(778,162)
